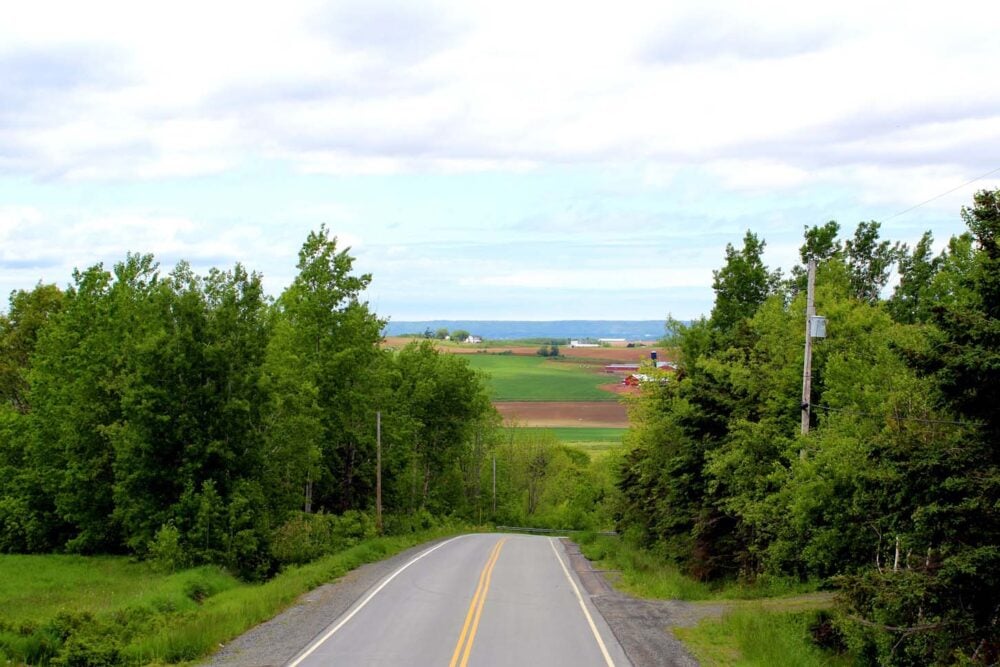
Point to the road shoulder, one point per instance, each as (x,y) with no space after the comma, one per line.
(642,627)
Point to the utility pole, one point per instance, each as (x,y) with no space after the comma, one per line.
(378,472)
(807,365)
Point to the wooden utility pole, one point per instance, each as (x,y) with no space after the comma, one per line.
(378,472)
(807,365)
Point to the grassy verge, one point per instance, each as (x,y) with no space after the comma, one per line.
(766,623)
(646,575)
(758,637)
(514,378)
(167,619)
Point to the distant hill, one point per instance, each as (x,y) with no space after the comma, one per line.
(511,329)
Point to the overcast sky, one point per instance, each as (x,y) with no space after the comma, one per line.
(486,160)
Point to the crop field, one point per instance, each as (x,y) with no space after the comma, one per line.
(519,378)
(607,355)
(594,441)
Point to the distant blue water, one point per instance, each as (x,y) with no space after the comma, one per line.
(506,330)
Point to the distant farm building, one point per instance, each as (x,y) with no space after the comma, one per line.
(576,343)
(474,339)
(632,368)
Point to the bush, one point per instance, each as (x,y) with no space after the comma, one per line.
(306,537)
(165,551)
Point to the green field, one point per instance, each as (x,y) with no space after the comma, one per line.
(517,378)
(35,588)
(594,441)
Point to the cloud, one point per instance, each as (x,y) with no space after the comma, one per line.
(705,35)
(400,33)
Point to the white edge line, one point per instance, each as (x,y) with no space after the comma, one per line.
(318,642)
(583,605)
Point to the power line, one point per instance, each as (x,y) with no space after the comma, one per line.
(977,178)
(827,408)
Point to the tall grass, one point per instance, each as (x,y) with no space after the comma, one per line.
(36,588)
(645,574)
(161,618)
(757,637)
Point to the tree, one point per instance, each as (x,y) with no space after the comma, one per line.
(19,330)
(869,261)
(327,339)
(460,335)
(820,245)
(742,284)
(911,301)
(442,333)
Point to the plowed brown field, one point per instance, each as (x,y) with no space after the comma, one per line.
(552,414)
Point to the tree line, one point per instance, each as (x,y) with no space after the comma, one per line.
(193,417)
(894,494)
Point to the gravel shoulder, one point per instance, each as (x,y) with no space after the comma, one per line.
(641,626)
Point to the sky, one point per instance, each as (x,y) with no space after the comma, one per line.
(487,160)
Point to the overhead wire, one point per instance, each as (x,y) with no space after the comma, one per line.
(943,194)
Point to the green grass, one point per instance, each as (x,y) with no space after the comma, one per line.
(515,378)
(767,622)
(594,441)
(104,610)
(757,637)
(36,588)
(646,575)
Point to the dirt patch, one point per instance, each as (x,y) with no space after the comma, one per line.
(602,414)
(620,389)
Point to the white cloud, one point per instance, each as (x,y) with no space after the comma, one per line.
(623,278)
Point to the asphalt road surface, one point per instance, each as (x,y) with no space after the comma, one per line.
(475,600)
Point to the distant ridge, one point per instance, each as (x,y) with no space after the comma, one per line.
(512,329)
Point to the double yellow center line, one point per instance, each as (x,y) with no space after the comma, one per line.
(460,658)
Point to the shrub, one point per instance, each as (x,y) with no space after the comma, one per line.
(165,550)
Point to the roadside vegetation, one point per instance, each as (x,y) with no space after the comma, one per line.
(110,610)
(227,443)
(891,498)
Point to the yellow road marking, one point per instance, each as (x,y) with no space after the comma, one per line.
(471,625)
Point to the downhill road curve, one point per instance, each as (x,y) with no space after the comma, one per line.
(474,600)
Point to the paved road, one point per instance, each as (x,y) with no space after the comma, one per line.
(472,601)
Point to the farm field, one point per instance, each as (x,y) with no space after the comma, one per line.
(609,355)
(516,378)
(565,414)
(594,441)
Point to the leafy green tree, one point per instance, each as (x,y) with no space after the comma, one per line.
(911,301)
(820,244)
(28,314)
(742,284)
(870,261)
(460,335)
(76,385)
(446,404)
(191,400)
(441,333)
(328,339)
